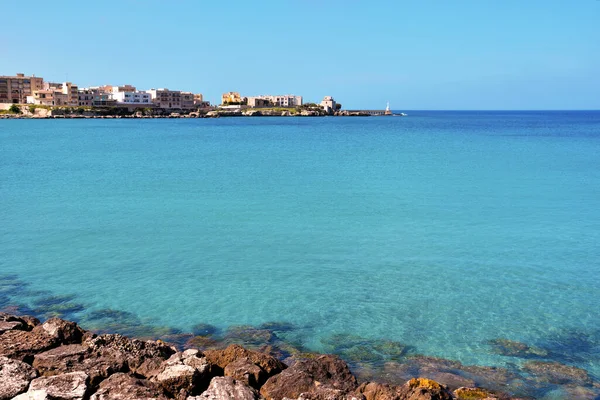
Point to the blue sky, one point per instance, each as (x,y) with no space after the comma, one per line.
(426,54)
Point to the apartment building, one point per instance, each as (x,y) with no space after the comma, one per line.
(86,97)
(49,97)
(132,98)
(15,89)
(187,100)
(72,92)
(286,100)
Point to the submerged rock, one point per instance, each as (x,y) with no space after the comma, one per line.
(204,343)
(248,335)
(472,393)
(557,373)
(14,377)
(511,348)
(204,330)
(358,349)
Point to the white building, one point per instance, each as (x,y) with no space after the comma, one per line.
(286,100)
(328,104)
(141,98)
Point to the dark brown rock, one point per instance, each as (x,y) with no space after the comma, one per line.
(222,358)
(121,386)
(244,370)
(378,391)
(141,357)
(10,326)
(305,376)
(76,357)
(14,377)
(23,345)
(65,332)
(28,322)
(227,388)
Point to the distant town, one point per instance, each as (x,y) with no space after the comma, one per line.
(33,97)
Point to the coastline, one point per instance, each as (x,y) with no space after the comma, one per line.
(46,112)
(58,359)
(248,363)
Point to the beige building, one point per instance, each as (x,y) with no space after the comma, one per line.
(86,97)
(124,88)
(49,97)
(15,89)
(165,98)
(257,102)
(72,92)
(231,97)
(187,100)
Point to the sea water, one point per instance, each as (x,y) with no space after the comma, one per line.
(440,230)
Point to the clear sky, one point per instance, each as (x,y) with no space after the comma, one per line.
(418,54)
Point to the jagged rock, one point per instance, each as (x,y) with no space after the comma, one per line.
(424,389)
(222,358)
(184,373)
(557,373)
(9,326)
(23,345)
(142,357)
(327,393)
(65,332)
(34,395)
(227,388)
(77,357)
(244,370)
(306,375)
(70,386)
(14,377)
(378,391)
(121,386)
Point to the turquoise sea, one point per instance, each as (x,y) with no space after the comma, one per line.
(443,231)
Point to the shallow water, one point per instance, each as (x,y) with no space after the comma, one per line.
(442,230)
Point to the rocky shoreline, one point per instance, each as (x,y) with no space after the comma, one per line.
(38,112)
(58,359)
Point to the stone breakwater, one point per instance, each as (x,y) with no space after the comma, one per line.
(59,360)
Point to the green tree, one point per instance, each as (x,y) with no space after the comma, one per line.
(338,106)
(14,109)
